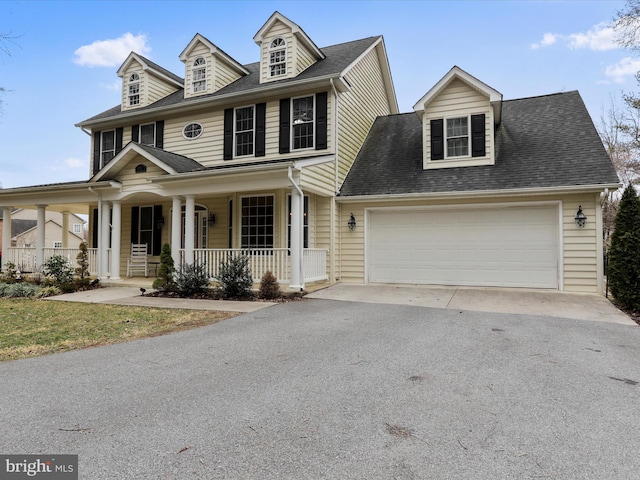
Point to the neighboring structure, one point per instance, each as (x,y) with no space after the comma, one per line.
(23,229)
(302,162)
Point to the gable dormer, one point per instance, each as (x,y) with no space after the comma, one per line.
(207,68)
(459,116)
(144,82)
(285,50)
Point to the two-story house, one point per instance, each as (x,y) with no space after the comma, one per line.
(301,161)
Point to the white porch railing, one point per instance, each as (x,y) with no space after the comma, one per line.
(25,257)
(261,260)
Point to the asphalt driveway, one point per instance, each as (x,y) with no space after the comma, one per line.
(340,390)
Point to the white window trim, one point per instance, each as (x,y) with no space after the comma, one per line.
(277,49)
(203,81)
(57,244)
(140,134)
(197,136)
(242,197)
(77,228)
(292,140)
(253,129)
(102,152)
(133,82)
(446,138)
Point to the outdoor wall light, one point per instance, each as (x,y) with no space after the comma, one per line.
(581,218)
(352,222)
(212,219)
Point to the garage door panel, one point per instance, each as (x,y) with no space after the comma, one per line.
(488,247)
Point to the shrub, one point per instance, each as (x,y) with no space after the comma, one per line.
(82,270)
(165,270)
(10,272)
(623,273)
(269,286)
(234,277)
(58,268)
(19,290)
(192,279)
(49,291)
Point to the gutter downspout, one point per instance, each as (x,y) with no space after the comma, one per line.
(332,211)
(297,245)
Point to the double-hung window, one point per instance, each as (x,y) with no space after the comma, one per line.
(277,58)
(457,132)
(257,222)
(134,89)
(107,147)
(302,124)
(148,134)
(199,75)
(244,131)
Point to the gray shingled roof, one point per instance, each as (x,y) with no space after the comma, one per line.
(179,163)
(162,70)
(338,57)
(547,141)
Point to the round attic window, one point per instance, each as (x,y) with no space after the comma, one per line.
(192,130)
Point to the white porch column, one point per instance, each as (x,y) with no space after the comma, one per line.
(65,229)
(6,234)
(40,237)
(297,235)
(103,250)
(189,231)
(116,228)
(176,231)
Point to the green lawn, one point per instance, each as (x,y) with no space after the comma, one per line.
(30,328)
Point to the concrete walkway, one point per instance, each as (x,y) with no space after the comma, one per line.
(132,296)
(497,300)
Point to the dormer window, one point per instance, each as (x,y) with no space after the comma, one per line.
(457,137)
(134,89)
(277,57)
(199,75)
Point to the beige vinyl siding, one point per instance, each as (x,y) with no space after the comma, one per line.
(157,88)
(207,148)
(129,178)
(224,75)
(303,58)
(458,100)
(580,250)
(278,29)
(359,107)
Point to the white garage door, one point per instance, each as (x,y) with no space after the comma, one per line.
(509,247)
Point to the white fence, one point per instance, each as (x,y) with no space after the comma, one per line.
(261,260)
(25,257)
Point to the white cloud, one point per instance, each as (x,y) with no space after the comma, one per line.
(112,52)
(68,163)
(625,68)
(548,39)
(599,38)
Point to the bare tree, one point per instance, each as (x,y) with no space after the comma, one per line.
(5,40)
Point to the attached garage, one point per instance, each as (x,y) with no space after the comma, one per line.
(506,246)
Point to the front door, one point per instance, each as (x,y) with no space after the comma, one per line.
(199,227)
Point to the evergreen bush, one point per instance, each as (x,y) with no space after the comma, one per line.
(192,279)
(234,277)
(82,270)
(58,268)
(269,286)
(623,272)
(165,270)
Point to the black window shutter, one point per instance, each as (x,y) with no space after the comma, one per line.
(119,132)
(321,121)
(160,134)
(135,133)
(96,152)
(135,223)
(261,120)
(157,232)
(437,139)
(478,136)
(228,134)
(285,127)
(94,233)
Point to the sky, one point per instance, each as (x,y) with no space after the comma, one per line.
(58,66)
